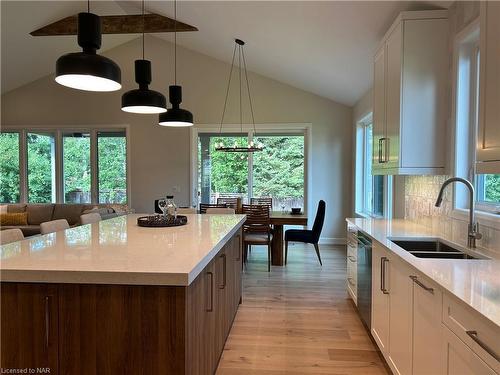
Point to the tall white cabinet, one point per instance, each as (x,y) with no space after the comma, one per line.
(488,145)
(411,69)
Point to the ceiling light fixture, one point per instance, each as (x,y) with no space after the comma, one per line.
(251,146)
(175,116)
(143,100)
(87,70)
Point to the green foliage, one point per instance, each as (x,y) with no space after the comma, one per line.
(492,187)
(40,167)
(112,167)
(229,173)
(278,171)
(76,167)
(112,154)
(9,167)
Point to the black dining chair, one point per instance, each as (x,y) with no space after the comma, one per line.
(306,235)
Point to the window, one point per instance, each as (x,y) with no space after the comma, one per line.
(65,166)
(76,167)
(278,171)
(221,174)
(467,113)
(370,190)
(9,168)
(41,168)
(112,166)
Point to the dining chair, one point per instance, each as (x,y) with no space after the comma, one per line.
(204,206)
(90,218)
(308,236)
(257,229)
(11,235)
(186,210)
(221,210)
(266,201)
(231,202)
(53,226)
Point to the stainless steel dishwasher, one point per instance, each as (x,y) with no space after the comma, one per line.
(364,276)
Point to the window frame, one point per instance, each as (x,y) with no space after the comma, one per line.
(59,172)
(362,158)
(467,44)
(261,129)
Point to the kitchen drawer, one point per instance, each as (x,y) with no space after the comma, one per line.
(476,331)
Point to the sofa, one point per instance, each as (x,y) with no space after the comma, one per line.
(40,213)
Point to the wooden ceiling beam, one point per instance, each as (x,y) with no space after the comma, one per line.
(123,24)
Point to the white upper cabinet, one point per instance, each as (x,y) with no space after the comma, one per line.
(488,145)
(411,69)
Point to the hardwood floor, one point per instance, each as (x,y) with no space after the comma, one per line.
(298,319)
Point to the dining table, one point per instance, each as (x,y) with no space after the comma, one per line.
(279,219)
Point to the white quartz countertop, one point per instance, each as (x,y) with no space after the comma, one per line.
(117,251)
(476,281)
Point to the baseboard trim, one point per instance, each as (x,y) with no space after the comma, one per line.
(332,241)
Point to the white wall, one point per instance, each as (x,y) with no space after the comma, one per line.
(160,157)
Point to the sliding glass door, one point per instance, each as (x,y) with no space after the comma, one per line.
(221,174)
(278,171)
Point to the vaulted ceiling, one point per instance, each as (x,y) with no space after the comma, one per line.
(324,47)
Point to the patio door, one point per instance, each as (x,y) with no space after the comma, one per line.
(278,171)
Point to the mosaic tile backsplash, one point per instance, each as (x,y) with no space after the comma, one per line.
(420,196)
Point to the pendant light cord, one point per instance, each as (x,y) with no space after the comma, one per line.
(175,42)
(227,90)
(88,6)
(248,89)
(143,27)
(239,73)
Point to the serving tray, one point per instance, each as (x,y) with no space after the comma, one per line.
(158,221)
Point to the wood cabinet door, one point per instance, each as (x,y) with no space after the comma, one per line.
(394,53)
(121,329)
(201,315)
(378,109)
(29,332)
(488,149)
(380,300)
(401,311)
(459,358)
(427,335)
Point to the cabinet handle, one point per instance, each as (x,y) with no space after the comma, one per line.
(350,280)
(351,258)
(223,256)
(421,284)
(383,261)
(380,140)
(473,335)
(211,292)
(47,320)
(239,247)
(387,143)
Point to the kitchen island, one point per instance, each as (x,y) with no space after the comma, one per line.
(115,298)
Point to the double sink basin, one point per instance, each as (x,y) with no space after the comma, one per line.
(434,248)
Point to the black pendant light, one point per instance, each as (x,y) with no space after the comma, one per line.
(251,146)
(87,70)
(143,100)
(175,116)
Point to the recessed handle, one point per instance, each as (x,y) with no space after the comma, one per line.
(211,308)
(474,336)
(47,321)
(380,140)
(224,272)
(239,247)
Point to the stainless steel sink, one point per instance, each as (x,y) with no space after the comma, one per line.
(434,248)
